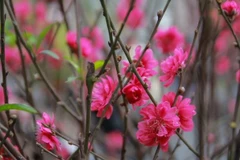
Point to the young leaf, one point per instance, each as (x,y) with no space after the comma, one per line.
(42,35)
(50,53)
(98,64)
(21,107)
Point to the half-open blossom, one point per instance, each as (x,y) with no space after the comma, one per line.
(22,10)
(158,125)
(71,38)
(169,39)
(101,95)
(148,62)
(172,65)
(238,76)
(45,134)
(136,17)
(185,110)
(231,8)
(134,91)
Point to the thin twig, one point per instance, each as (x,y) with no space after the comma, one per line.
(49,152)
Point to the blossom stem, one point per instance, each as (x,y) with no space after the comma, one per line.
(156,153)
(11,122)
(186,143)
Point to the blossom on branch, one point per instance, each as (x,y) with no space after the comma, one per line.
(101,95)
(172,66)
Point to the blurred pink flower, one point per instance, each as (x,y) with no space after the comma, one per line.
(169,39)
(136,17)
(88,51)
(45,134)
(172,65)
(238,76)
(101,95)
(114,140)
(220,44)
(185,110)
(41,10)
(158,125)
(95,35)
(71,38)
(148,62)
(22,10)
(222,65)
(230,7)
(211,137)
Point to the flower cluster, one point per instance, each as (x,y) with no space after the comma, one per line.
(160,123)
(134,91)
(45,134)
(101,95)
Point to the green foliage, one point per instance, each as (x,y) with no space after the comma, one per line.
(50,53)
(21,107)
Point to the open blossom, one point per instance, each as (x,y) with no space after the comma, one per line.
(23,10)
(230,7)
(134,91)
(136,17)
(45,134)
(148,62)
(169,39)
(158,125)
(101,95)
(172,65)
(185,110)
(238,76)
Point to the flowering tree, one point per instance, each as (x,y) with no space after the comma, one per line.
(119,81)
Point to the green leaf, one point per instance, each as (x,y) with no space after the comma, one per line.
(98,64)
(21,107)
(71,79)
(10,39)
(42,35)
(50,53)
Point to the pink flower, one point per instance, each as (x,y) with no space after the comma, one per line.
(45,134)
(230,8)
(101,95)
(158,125)
(169,39)
(136,17)
(148,62)
(221,44)
(222,65)
(95,35)
(46,121)
(172,65)
(87,48)
(185,110)
(238,76)
(71,38)
(114,140)
(22,10)
(134,92)
(41,11)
